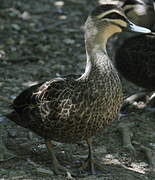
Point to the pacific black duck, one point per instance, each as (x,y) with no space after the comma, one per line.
(136,62)
(137,65)
(141,12)
(72,108)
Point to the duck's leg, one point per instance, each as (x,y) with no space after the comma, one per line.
(90,155)
(57,168)
(90,158)
(89,162)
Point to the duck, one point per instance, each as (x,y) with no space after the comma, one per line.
(75,108)
(141,12)
(136,62)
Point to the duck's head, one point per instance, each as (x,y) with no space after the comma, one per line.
(105,21)
(140,12)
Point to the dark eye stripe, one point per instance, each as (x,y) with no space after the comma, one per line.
(132,2)
(115,16)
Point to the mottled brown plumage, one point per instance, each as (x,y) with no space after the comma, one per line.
(68,109)
(73,108)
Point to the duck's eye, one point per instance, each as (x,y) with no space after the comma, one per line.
(115,16)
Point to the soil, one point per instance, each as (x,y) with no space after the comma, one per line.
(40,40)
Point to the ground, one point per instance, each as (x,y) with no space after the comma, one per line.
(44,39)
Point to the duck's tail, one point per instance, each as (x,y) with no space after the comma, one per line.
(13,116)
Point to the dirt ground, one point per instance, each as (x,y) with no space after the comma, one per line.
(40,40)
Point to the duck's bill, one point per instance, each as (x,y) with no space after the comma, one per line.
(139,29)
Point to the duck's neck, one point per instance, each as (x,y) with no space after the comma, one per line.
(98,63)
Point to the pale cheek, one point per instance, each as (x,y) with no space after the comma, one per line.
(103,36)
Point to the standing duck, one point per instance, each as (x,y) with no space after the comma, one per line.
(71,108)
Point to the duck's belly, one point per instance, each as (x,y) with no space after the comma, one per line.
(81,129)
(69,125)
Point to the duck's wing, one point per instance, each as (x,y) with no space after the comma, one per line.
(26,98)
(27,105)
(48,89)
